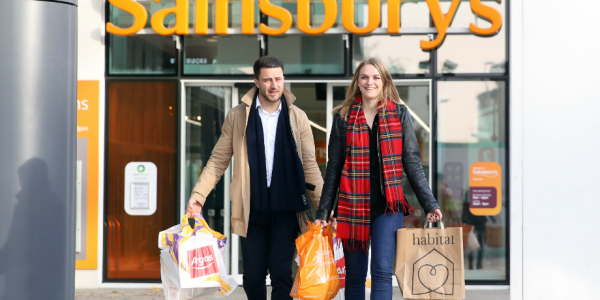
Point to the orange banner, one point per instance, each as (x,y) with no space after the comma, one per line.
(485,188)
(88,126)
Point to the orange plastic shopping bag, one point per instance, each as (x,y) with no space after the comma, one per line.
(317,276)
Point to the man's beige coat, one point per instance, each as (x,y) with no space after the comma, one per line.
(233,143)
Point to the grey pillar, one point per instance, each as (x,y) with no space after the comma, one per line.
(38,84)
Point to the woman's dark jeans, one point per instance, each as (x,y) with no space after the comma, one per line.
(383,253)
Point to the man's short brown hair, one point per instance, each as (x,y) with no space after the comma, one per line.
(268,62)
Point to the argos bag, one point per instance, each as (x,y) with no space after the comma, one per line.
(429,263)
(192,262)
(317,276)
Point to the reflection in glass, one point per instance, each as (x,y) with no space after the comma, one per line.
(141,126)
(303,54)
(205,112)
(147,54)
(220,54)
(401,54)
(416,98)
(471,128)
(471,53)
(141,54)
(413,14)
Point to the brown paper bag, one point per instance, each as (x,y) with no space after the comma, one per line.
(429,263)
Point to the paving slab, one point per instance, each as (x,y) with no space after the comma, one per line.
(238,294)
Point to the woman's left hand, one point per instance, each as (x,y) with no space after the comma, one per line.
(434,216)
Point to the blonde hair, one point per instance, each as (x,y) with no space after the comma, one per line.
(388,92)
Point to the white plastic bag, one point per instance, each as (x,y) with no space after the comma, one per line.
(340,263)
(368,281)
(192,262)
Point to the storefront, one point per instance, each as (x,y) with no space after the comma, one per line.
(165,98)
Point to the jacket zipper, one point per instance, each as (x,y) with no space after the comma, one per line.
(379,162)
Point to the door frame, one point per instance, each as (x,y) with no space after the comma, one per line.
(233,253)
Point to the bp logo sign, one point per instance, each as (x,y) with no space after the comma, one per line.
(141,168)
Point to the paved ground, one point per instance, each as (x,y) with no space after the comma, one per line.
(157,294)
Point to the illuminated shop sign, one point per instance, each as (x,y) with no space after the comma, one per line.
(181,10)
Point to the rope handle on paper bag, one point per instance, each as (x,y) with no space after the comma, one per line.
(430,225)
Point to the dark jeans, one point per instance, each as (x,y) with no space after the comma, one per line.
(269,247)
(383,253)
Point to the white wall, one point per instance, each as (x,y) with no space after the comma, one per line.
(90,66)
(555,141)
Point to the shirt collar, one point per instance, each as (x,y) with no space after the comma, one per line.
(260,105)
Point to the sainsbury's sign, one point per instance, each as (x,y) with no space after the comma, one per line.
(181,11)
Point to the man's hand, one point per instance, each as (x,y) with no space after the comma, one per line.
(194,207)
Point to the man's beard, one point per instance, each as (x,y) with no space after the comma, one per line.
(266,96)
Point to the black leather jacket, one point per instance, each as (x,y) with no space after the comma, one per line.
(411,163)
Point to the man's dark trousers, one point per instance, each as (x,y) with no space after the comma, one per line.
(269,247)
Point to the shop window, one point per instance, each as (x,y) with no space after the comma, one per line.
(222,54)
(470,53)
(471,131)
(413,14)
(401,54)
(464,14)
(142,128)
(306,55)
(141,54)
(147,54)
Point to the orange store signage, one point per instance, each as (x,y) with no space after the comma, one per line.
(485,188)
(181,10)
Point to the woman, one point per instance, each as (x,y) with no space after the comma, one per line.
(372,141)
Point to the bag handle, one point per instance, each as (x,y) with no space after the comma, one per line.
(430,225)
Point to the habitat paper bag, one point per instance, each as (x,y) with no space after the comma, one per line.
(192,262)
(429,263)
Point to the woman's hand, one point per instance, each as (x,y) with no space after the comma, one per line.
(434,216)
(194,207)
(321,222)
(324,223)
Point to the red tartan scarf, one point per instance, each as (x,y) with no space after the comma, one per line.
(354,207)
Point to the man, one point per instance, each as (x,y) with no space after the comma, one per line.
(274,168)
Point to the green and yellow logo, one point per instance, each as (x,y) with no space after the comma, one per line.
(141,168)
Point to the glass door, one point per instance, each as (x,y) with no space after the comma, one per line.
(204,108)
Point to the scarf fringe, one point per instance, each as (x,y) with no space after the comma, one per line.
(355,245)
(395,206)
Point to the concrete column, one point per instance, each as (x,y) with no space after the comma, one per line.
(38,86)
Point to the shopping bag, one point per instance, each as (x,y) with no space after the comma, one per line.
(429,263)
(368,280)
(340,264)
(192,263)
(472,242)
(317,276)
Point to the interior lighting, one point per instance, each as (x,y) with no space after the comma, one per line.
(414,115)
(317,126)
